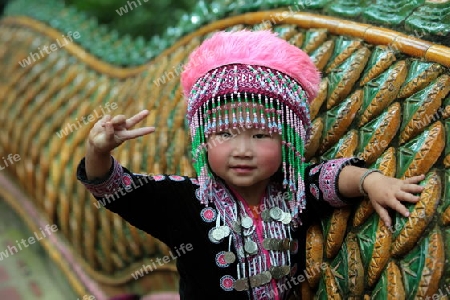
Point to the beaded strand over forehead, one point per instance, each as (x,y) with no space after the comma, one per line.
(241,97)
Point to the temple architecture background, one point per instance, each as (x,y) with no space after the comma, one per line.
(384,97)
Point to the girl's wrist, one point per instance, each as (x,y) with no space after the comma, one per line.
(363,182)
(91,150)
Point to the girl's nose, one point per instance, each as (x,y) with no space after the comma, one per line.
(243,147)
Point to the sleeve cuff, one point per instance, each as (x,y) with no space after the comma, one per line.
(100,187)
(328,180)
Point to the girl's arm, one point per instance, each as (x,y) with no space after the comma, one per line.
(97,164)
(321,183)
(155,204)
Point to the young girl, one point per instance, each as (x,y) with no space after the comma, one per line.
(244,217)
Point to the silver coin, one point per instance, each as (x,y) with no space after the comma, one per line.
(255,280)
(266,277)
(265,216)
(286,244)
(275,244)
(251,247)
(285,270)
(286,218)
(211,236)
(226,230)
(247,222)
(241,284)
(218,233)
(267,244)
(229,257)
(236,227)
(276,272)
(276,213)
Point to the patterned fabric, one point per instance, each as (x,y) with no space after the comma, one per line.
(256,80)
(179,217)
(110,184)
(327,174)
(231,210)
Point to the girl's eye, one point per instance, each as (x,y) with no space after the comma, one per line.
(261,136)
(223,134)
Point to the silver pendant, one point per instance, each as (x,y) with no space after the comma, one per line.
(265,216)
(267,244)
(286,218)
(226,230)
(251,247)
(218,234)
(211,236)
(276,213)
(236,227)
(255,280)
(246,222)
(266,277)
(286,270)
(229,257)
(241,284)
(277,272)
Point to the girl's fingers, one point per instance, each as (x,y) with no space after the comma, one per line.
(103,120)
(136,118)
(415,179)
(109,132)
(118,120)
(406,196)
(400,208)
(384,215)
(134,133)
(412,188)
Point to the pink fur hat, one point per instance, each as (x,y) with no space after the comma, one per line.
(248,79)
(258,48)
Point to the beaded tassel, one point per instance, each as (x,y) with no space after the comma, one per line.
(226,115)
(219,113)
(269,120)
(206,119)
(255,114)
(279,111)
(284,149)
(233,112)
(240,110)
(248,123)
(214,115)
(261,107)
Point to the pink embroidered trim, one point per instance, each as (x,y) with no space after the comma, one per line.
(314,190)
(327,181)
(110,185)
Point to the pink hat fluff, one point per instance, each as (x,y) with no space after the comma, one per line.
(258,48)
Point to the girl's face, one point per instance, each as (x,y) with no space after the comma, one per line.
(245,158)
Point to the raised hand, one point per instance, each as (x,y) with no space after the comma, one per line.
(110,132)
(107,134)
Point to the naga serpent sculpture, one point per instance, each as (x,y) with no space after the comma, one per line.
(384,97)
